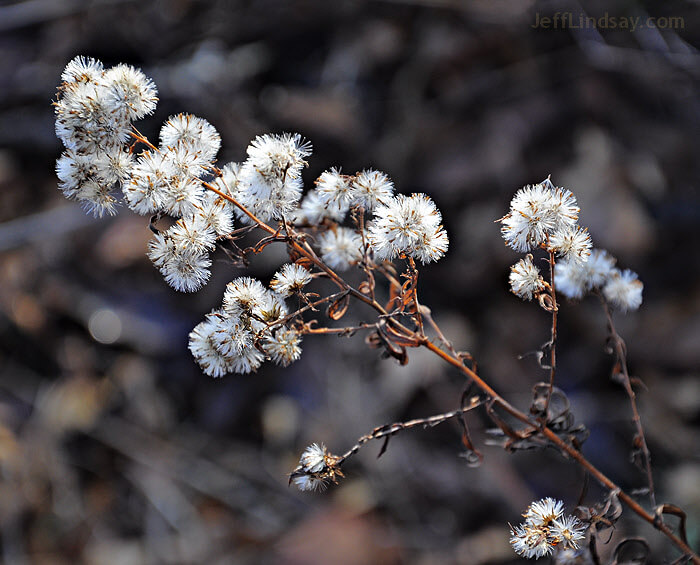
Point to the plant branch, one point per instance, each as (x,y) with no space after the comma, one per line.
(570,451)
(640,442)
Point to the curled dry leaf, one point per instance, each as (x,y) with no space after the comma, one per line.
(338,308)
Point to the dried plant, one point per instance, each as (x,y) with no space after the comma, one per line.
(348,222)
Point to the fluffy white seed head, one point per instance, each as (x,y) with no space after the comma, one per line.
(248,361)
(271,309)
(283,347)
(531,541)
(203,350)
(313,210)
(130,92)
(538,211)
(545,528)
(228,181)
(530,219)
(193,232)
(197,134)
(230,335)
(82,69)
(543,512)
(574,279)
(290,279)
(563,206)
(567,531)
(278,156)
(408,225)
(334,191)
(310,483)
(573,243)
(623,290)
(85,120)
(244,294)
(525,279)
(216,212)
(340,248)
(75,170)
(267,197)
(370,188)
(313,460)
(186,269)
(148,185)
(97,199)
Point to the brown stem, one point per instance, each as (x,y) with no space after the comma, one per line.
(345,330)
(553,339)
(621,354)
(138,136)
(391,429)
(304,250)
(309,306)
(414,291)
(569,451)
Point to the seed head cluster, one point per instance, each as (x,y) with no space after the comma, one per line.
(621,289)
(317,469)
(245,331)
(546,527)
(408,225)
(353,220)
(543,215)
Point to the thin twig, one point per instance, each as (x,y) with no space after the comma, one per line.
(389,430)
(552,339)
(621,355)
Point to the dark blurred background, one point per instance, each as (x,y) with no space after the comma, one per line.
(115,449)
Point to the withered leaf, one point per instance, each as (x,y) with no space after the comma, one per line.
(338,308)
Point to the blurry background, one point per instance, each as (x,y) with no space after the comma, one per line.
(114,448)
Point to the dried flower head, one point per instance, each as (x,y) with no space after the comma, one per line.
(567,531)
(317,469)
(543,512)
(525,279)
(197,134)
(334,191)
(540,211)
(130,92)
(283,347)
(574,278)
(623,289)
(290,279)
(370,188)
(573,243)
(408,225)
(545,528)
(340,248)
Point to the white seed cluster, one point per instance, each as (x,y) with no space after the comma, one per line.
(408,225)
(94,110)
(247,330)
(94,114)
(622,289)
(546,527)
(547,216)
(352,219)
(317,468)
(542,216)
(525,279)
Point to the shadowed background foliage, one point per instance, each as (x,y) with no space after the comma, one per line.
(114,448)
